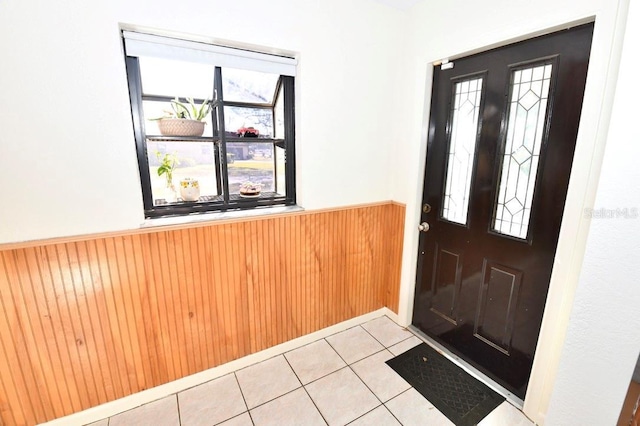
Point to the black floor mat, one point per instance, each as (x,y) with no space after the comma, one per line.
(459,396)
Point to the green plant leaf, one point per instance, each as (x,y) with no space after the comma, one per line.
(189,111)
(180,110)
(204,110)
(167,163)
(194,111)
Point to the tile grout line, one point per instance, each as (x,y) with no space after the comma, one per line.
(249,414)
(361,416)
(294,371)
(384,348)
(235,417)
(178,407)
(369,389)
(383,404)
(344,360)
(392,413)
(304,386)
(243,399)
(401,328)
(272,399)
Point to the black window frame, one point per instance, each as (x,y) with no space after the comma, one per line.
(219,140)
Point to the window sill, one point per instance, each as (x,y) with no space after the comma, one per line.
(216,216)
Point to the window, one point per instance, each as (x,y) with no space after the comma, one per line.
(214,126)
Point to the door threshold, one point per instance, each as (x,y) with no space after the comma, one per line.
(513,399)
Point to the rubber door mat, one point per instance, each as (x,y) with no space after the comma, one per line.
(459,396)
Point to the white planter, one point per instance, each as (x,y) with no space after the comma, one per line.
(189,189)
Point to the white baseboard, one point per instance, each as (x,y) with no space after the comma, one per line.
(112,408)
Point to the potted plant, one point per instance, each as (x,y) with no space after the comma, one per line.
(168,162)
(184,119)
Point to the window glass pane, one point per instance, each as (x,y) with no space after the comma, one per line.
(525,127)
(281,187)
(248,86)
(195,160)
(237,120)
(278,111)
(462,149)
(176,78)
(251,162)
(154,110)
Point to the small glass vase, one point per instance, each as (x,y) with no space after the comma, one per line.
(170,194)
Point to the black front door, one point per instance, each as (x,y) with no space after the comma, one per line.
(502,132)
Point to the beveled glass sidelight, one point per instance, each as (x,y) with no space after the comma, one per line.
(528,96)
(465,119)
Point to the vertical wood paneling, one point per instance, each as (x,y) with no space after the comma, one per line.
(86,322)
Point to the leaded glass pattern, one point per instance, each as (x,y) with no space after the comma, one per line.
(465,116)
(525,128)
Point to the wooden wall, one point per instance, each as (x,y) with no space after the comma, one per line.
(89,321)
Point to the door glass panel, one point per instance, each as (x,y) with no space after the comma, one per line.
(525,126)
(465,114)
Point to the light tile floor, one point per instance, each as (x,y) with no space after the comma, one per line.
(340,380)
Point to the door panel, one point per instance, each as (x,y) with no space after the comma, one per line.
(502,133)
(496,310)
(446,284)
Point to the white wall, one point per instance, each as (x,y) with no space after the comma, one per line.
(603,338)
(66,143)
(458,27)
(363,86)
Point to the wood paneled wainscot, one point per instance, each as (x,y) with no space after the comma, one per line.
(90,320)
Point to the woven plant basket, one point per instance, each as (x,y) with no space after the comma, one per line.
(180,127)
